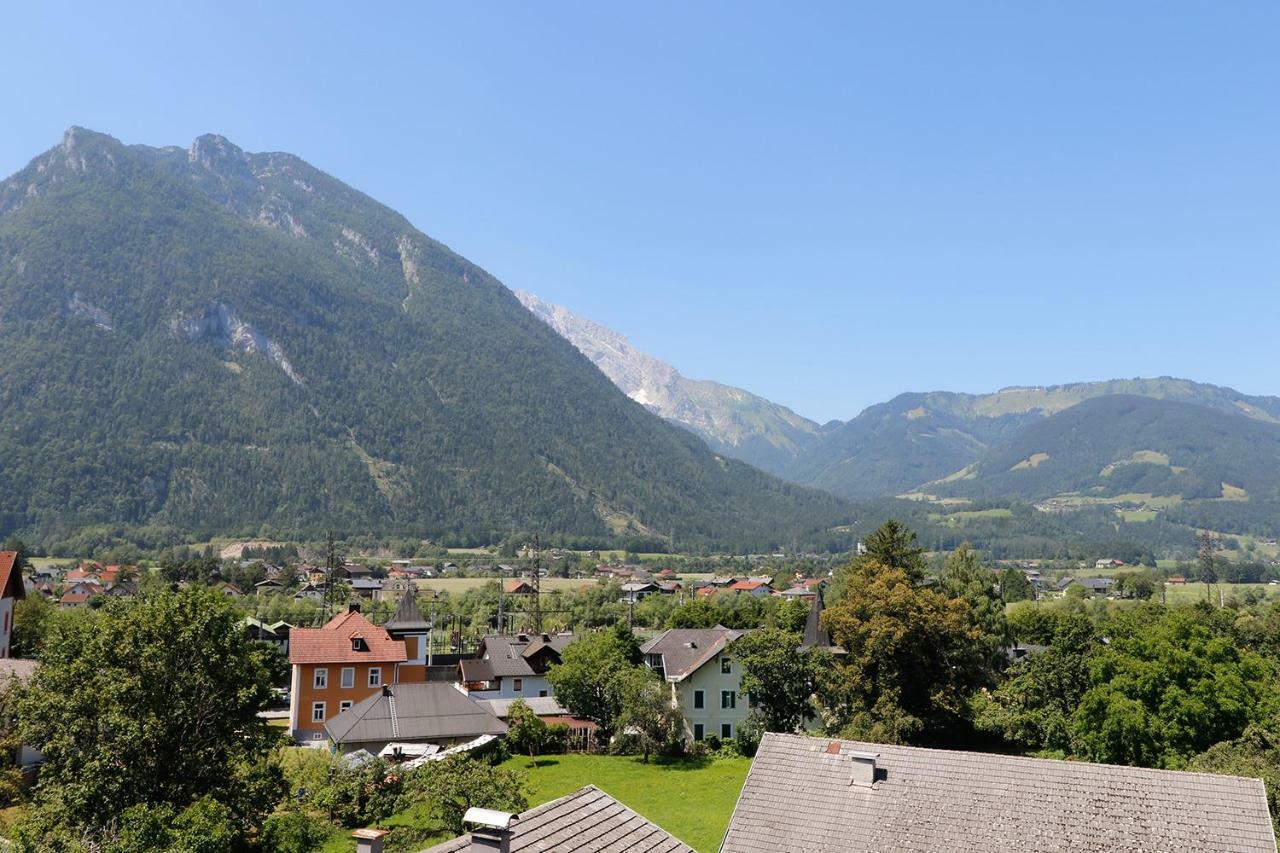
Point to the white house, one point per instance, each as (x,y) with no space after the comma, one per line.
(706,681)
(11,589)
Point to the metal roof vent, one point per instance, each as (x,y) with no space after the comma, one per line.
(864,768)
(492,832)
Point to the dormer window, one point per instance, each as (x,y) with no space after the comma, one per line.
(358,644)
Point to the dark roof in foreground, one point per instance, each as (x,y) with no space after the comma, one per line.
(414,712)
(586,820)
(798,797)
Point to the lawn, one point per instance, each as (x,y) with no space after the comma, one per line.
(691,799)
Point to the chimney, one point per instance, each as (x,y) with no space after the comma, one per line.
(492,832)
(369,840)
(864,768)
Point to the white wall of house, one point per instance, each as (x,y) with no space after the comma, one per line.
(713,683)
(6,625)
(516,687)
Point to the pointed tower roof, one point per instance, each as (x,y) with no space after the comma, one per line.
(815,636)
(407,619)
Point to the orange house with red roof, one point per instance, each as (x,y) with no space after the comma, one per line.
(11,590)
(336,666)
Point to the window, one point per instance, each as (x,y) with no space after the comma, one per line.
(697,731)
(542,693)
(726,666)
(517,684)
(317,712)
(375,676)
(699,699)
(726,731)
(322,679)
(728,699)
(344,705)
(348,677)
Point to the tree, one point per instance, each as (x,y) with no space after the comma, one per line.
(585,682)
(893,544)
(914,656)
(152,702)
(780,677)
(1014,586)
(33,617)
(451,786)
(1165,689)
(648,712)
(526,731)
(964,577)
(1034,705)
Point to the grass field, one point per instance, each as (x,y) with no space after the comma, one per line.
(1192,592)
(691,799)
(457,586)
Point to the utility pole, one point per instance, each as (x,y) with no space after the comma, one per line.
(331,557)
(537,584)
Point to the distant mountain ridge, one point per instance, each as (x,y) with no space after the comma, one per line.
(732,421)
(205,341)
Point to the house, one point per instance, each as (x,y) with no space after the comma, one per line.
(636,591)
(819,794)
(427,713)
(797,592)
(586,821)
(309,592)
(336,666)
(1108,564)
(517,587)
(512,666)
(365,587)
(26,758)
(274,633)
(230,590)
(351,571)
(11,589)
(394,588)
(756,587)
(268,586)
(706,682)
(546,708)
(1098,586)
(410,627)
(1176,580)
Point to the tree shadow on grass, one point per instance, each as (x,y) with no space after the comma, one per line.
(700,762)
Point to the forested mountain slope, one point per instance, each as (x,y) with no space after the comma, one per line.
(201,341)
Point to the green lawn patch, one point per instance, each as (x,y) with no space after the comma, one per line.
(691,799)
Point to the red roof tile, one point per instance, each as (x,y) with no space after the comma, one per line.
(747,586)
(332,643)
(10,581)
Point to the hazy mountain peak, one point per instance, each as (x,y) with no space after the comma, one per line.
(733,421)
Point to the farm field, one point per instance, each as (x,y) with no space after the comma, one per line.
(457,586)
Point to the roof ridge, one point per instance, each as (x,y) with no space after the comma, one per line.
(1055,762)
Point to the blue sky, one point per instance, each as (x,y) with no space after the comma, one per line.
(826,204)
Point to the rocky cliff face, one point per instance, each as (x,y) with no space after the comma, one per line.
(732,421)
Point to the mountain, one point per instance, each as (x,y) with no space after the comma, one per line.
(734,422)
(916,439)
(1128,445)
(202,341)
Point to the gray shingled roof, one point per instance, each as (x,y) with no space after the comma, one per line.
(509,655)
(685,650)
(586,820)
(407,618)
(798,799)
(421,712)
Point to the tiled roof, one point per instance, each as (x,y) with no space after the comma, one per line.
(543,706)
(414,712)
(586,820)
(798,798)
(747,586)
(685,650)
(333,642)
(10,581)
